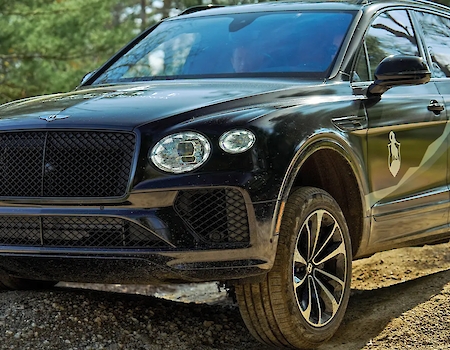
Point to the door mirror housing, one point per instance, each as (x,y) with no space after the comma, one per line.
(399,70)
(86,77)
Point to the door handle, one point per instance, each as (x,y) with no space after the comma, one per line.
(435,107)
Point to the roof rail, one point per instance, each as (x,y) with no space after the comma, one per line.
(433,3)
(424,2)
(199,8)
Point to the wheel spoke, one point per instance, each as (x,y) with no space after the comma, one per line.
(298,258)
(340,249)
(319,215)
(307,312)
(317,299)
(308,237)
(332,277)
(330,297)
(330,236)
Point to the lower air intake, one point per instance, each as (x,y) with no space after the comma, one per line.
(66,231)
(215,216)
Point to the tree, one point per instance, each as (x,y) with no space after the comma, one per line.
(48,45)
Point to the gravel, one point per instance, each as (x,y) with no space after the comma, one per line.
(400,299)
(72,318)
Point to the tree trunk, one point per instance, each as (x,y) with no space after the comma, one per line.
(143,15)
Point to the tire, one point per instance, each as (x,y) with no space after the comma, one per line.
(9,282)
(302,300)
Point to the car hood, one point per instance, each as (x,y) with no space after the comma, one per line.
(130,105)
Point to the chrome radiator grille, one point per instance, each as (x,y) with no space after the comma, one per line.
(65,163)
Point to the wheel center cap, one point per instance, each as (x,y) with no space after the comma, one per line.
(309,268)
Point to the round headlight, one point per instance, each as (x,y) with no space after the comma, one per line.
(180,153)
(237,141)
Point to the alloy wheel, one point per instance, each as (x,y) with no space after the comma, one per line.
(319,268)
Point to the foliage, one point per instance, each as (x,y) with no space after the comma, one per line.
(48,45)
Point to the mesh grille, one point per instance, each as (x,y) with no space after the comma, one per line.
(65,163)
(61,231)
(215,216)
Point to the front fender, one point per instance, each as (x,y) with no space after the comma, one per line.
(343,148)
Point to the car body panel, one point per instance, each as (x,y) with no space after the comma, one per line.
(418,178)
(105,106)
(294,118)
(444,89)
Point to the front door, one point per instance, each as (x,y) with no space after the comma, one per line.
(406,144)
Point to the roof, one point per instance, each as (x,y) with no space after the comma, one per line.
(285,5)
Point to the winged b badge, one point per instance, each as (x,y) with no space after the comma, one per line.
(52,117)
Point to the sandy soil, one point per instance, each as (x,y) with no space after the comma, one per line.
(400,299)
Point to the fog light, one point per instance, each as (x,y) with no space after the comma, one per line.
(237,141)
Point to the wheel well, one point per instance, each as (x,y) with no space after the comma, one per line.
(328,170)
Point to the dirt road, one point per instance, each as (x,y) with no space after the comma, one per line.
(400,299)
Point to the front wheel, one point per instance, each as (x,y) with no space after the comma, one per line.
(302,300)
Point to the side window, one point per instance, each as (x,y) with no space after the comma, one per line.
(391,33)
(437,39)
(362,72)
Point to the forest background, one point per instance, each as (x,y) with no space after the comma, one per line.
(47,46)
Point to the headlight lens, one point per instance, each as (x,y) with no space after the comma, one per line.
(237,141)
(181,152)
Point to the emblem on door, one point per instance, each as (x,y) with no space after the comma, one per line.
(394,158)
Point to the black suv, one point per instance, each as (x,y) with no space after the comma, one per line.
(265,146)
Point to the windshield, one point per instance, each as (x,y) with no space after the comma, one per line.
(250,44)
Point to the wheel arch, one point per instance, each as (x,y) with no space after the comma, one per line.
(334,167)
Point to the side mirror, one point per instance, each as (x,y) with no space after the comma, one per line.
(86,77)
(397,71)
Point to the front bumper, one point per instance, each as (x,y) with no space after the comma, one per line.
(188,234)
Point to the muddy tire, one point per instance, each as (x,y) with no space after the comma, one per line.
(302,300)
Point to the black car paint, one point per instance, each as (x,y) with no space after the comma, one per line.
(291,119)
